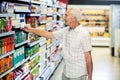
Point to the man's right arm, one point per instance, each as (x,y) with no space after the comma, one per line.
(42,33)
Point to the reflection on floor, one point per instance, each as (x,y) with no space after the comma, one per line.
(106,67)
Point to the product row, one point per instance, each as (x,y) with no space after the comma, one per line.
(35,7)
(96,21)
(94,17)
(26,56)
(32,59)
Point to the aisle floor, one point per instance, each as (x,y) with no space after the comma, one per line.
(105,66)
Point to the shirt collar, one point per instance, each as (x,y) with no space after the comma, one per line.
(76,29)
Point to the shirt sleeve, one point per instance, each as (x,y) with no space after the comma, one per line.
(86,42)
(59,33)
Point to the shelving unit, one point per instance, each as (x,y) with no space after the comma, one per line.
(11,69)
(96,19)
(54,69)
(49,69)
(27,52)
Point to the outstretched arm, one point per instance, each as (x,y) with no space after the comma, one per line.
(42,33)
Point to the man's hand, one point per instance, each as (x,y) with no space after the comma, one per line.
(27,28)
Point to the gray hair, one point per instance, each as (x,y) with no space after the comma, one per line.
(75,12)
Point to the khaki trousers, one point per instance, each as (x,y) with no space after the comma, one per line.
(79,78)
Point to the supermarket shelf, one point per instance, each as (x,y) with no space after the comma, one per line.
(6,54)
(19,44)
(35,2)
(24,11)
(5,73)
(95,29)
(34,68)
(56,56)
(60,59)
(17,26)
(33,15)
(51,45)
(24,0)
(33,56)
(55,13)
(100,41)
(7,33)
(19,64)
(54,69)
(58,42)
(50,53)
(18,77)
(58,7)
(43,22)
(42,43)
(44,70)
(49,28)
(50,14)
(54,43)
(92,22)
(101,38)
(59,14)
(51,5)
(50,74)
(22,76)
(6,15)
(33,43)
(42,53)
(101,20)
(8,71)
(43,13)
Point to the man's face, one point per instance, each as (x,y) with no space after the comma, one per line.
(69,18)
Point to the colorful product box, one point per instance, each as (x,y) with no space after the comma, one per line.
(18,56)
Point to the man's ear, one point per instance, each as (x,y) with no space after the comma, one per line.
(75,17)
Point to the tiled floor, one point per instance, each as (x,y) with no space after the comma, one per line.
(105,66)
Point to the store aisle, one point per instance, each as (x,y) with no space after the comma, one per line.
(106,67)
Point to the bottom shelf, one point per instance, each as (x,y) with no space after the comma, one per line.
(54,70)
(49,71)
(100,41)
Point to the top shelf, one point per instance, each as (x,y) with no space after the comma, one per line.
(36,2)
(51,5)
(24,0)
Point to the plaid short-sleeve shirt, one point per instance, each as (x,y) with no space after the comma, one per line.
(74,42)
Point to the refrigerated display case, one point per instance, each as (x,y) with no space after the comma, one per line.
(96,19)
